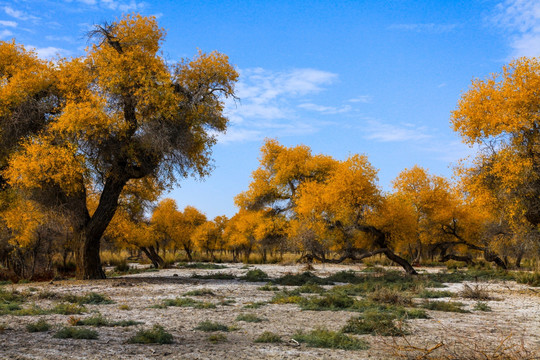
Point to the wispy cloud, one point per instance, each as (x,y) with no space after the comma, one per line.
(361,99)
(425,27)
(68,39)
(124,6)
(521,20)
(270,103)
(18,14)
(385,132)
(49,52)
(329,110)
(5,23)
(4,34)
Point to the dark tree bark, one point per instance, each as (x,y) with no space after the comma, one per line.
(154,257)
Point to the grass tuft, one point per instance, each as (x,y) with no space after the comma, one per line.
(323,338)
(450,306)
(249,318)
(255,275)
(209,326)
(481,306)
(200,292)
(217,338)
(40,326)
(268,337)
(156,335)
(301,279)
(374,323)
(76,333)
(475,292)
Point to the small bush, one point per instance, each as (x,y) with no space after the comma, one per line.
(324,338)
(156,335)
(285,297)
(76,333)
(91,298)
(348,276)
(30,311)
(49,295)
(188,302)
(268,287)
(481,306)
(310,288)
(255,305)
(255,275)
(249,318)
(450,306)
(375,323)
(330,301)
(301,279)
(475,292)
(124,307)
(217,338)
(390,296)
(39,326)
(68,309)
(200,292)
(209,326)
(532,279)
(434,294)
(268,337)
(122,266)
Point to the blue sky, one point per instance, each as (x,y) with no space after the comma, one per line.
(343,77)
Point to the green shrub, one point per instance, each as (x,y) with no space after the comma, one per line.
(255,275)
(301,279)
(268,337)
(39,326)
(434,294)
(91,298)
(348,276)
(76,333)
(268,287)
(329,301)
(255,305)
(200,292)
(481,306)
(217,338)
(188,302)
(324,338)
(450,306)
(375,323)
(532,279)
(311,288)
(68,309)
(285,297)
(156,335)
(249,318)
(122,266)
(209,326)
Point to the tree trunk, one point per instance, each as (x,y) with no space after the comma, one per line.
(91,229)
(188,253)
(154,257)
(399,260)
(88,259)
(518,259)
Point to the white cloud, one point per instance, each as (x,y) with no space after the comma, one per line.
(521,20)
(6,23)
(270,101)
(123,6)
(424,28)
(326,109)
(361,99)
(49,52)
(5,34)
(17,14)
(385,132)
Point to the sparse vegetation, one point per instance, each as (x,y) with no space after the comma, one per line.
(375,323)
(200,292)
(156,335)
(40,326)
(255,275)
(199,265)
(187,302)
(215,276)
(481,306)
(324,338)
(249,318)
(268,337)
(450,306)
(217,338)
(209,326)
(301,279)
(475,292)
(76,333)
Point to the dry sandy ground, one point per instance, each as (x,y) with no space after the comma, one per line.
(515,314)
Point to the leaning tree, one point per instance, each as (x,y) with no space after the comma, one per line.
(119,113)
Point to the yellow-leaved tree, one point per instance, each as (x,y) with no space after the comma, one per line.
(121,112)
(501,115)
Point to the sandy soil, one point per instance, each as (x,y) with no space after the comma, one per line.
(515,313)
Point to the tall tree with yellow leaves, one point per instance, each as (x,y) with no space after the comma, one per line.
(121,113)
